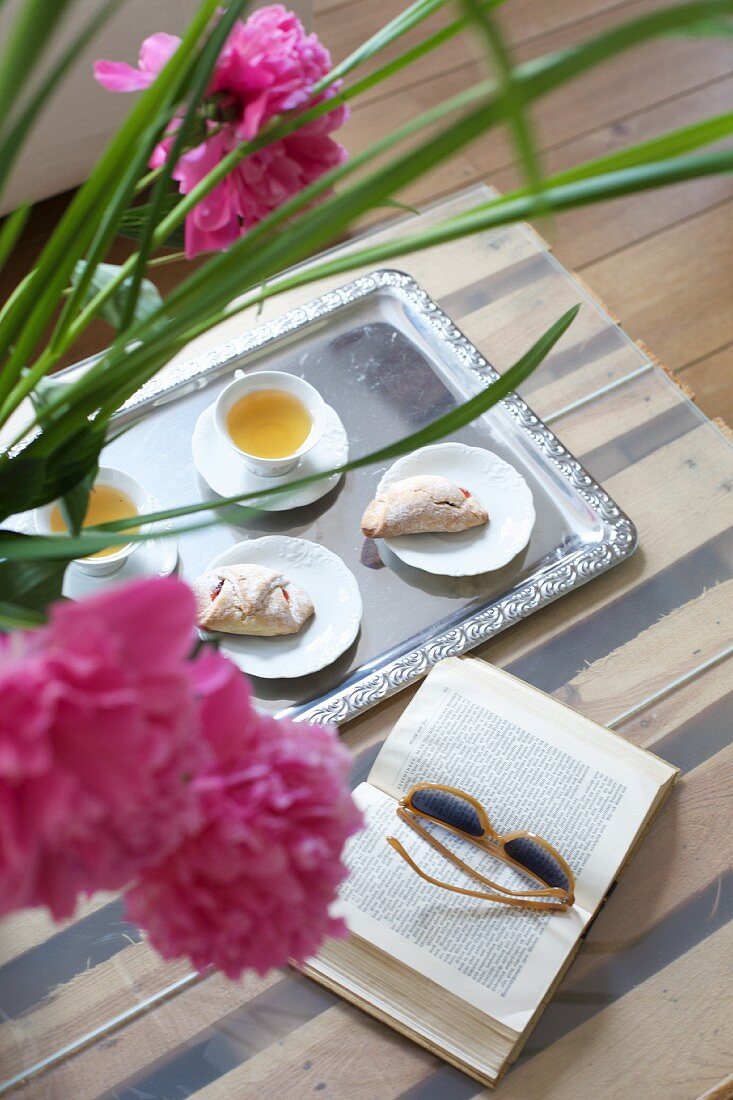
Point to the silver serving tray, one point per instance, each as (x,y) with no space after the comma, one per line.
(389,361)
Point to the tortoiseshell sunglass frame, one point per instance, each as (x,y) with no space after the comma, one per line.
(552,898)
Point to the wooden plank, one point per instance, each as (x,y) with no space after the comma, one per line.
(674,864)
(689,636)
(668,1038)
(80,1005)
(642,901)
(25,930)
(692,801)
(341,1053)
(662,723)
(651,392)
(696,465)
(580,22)
(521,292)
(583,236)
(514,311)
(637,401)
(140,1044)
(709,379)
(559,121)
(688,264)
(521,20)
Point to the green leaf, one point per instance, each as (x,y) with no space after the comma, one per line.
(147,301)
(39,474)
(12,228)
(91,539)
(517,114)
(28,585)
(27,40)
(657,149)
(248,263)
(74,503)
(717,26)
(132,222)
(503,211)
(13,617)
(393,204)
(169,232)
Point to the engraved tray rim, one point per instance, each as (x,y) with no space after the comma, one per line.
(548,583)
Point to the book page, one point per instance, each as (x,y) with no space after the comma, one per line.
(498,958)
(512,748)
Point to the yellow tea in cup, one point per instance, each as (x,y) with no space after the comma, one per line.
(106,503)
(269,423)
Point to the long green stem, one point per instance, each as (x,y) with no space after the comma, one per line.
(511,90)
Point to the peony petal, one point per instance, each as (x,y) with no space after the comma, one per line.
(209,240)
(253,887)
(151,620)
(199,161)
(118,76)
(157,50)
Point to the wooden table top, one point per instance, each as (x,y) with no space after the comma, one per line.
(88,1010)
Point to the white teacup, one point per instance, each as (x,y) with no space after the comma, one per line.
(244,384)
(110,563)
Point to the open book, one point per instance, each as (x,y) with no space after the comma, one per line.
(465,977)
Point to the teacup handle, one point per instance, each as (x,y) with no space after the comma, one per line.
(239,374)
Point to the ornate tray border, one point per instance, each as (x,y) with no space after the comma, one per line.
(618,542)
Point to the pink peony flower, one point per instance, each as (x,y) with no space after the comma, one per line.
(251,888)
(97,744)
(268,66)
(124,763)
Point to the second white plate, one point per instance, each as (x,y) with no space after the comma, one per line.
(498,486)
(336,599)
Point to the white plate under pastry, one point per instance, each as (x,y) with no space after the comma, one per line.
(228,476)
(336,599)
(498,486)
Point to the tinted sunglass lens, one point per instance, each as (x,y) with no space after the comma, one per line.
(537,859)
(449,809)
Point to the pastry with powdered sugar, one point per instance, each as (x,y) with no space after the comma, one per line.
(250,599)
(421,504)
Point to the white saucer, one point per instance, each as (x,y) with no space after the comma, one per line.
(335,595)
(497,485)
(228,476)
(156,558)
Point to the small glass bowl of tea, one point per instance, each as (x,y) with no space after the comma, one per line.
(115,495)
(271,419)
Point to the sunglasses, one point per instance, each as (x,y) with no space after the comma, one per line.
(465,817)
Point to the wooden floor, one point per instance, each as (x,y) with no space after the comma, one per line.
(662,262)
